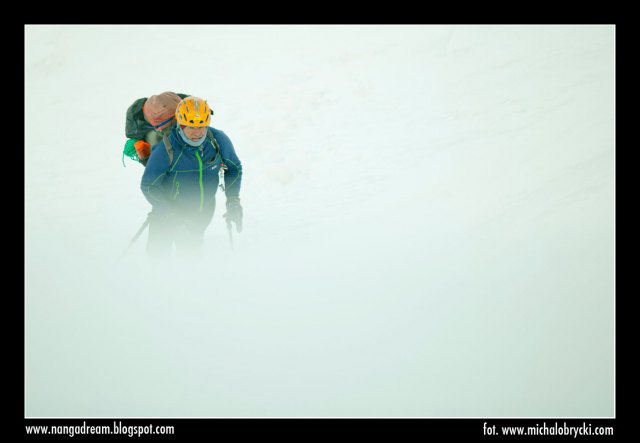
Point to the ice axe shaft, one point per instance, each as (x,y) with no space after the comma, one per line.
(230,234)
(135,237)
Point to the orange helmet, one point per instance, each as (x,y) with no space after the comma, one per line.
(193,111)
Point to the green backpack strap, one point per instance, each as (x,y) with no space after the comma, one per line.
(167,145)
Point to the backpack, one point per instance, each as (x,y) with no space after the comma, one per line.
(130,150)
(138,128)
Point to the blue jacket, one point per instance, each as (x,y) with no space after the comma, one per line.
(190,183)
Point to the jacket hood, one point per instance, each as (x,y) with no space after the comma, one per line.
(176,140)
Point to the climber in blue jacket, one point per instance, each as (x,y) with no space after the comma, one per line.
(181,178)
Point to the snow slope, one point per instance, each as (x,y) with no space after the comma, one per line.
(429,224)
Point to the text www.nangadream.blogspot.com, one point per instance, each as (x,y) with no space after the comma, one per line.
(116,429)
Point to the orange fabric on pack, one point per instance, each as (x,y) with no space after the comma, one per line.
(142,148)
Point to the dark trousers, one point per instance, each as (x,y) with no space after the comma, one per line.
(184,231)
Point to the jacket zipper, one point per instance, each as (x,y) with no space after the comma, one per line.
(177,190)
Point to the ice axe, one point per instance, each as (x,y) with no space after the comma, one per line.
(230,234)
(221,186)
(227,218)
(135,237)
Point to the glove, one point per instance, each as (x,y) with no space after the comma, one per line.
(234,213)
(143,149)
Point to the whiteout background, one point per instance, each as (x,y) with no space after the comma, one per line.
(429,224)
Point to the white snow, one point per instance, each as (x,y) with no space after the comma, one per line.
(429,224)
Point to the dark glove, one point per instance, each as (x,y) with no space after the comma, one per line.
(234,213)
